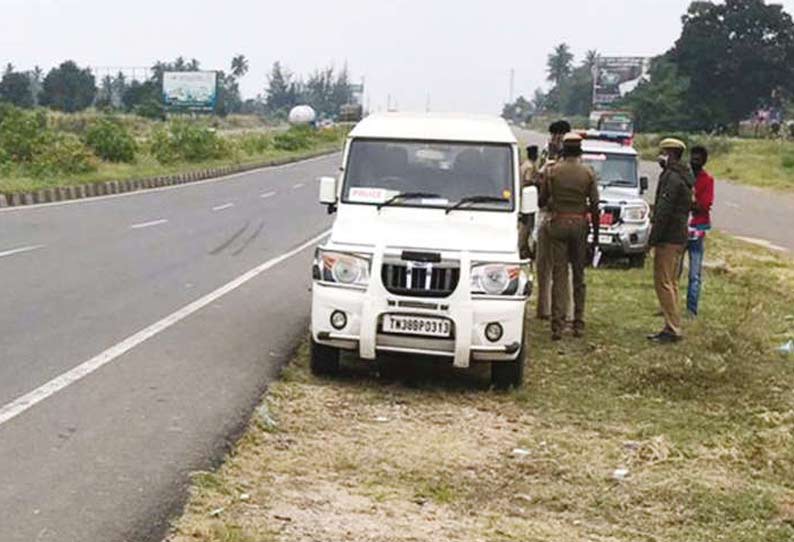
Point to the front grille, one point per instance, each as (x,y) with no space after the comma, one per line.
(412,279)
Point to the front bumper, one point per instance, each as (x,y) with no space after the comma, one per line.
(624,239)
(469,317)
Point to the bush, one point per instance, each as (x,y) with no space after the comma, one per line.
(189,142)
(21,133)
(294,139)
(62,153)
(111,141)
(254,143)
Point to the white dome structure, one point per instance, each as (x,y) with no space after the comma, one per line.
(302,114)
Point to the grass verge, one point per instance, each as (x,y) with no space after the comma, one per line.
(765,163)
(612,439)
(147,166)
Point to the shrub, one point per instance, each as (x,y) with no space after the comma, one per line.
(21,132)
(111,141)
(294,139)
(189,142)
(254,143)
(62,153)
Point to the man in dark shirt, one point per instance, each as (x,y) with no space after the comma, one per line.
(669,235)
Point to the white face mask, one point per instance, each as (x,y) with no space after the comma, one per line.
(662,160)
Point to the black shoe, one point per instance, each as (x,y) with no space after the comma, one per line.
(665,337)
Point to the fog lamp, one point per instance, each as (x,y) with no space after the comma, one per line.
(338,320)
(493,332)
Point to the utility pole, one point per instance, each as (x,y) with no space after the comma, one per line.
(512,85)
(427,103)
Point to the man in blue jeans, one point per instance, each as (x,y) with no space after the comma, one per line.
(699,224)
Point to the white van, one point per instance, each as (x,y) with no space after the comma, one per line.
(423,256)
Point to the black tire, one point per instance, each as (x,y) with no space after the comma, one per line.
(637,261)
(509,374)
(324,360)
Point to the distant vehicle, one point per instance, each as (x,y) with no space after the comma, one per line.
(302,115)
(614,122)
(351,113)
(625,215)
(423,256)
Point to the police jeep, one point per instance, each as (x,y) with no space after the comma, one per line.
(625,215)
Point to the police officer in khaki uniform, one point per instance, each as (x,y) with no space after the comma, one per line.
(551,154)
(529,172)
(669,234)
(571,193)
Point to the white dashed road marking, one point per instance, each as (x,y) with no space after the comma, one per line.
(20,250)
(222,207)
(32,398)
(148,224)
(267,195)
(763,243)
(299,185)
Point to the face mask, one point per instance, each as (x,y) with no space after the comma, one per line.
(662,161)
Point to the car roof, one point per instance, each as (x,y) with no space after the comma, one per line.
(435,127)
(607,147)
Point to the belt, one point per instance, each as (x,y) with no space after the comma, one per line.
(582,216)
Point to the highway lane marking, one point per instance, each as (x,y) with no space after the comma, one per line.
(299,185)
(762,243)
(20,250)
(222,207)
(267,195)
(43,392)
(164,188)
(148,224)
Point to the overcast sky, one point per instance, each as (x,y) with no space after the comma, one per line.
(458,52)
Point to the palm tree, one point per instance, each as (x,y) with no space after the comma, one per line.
(239,66)
(560,63)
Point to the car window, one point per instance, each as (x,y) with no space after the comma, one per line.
(613,169)
(379,169)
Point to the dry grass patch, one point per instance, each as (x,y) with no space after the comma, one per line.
(612,439)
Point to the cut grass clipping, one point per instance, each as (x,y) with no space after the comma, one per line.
(613,439)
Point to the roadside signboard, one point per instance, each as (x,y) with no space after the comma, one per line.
(614,77)
(193,91)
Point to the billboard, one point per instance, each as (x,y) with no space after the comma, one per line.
(616,76)
(196,91)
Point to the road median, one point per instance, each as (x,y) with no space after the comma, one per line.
(611,439)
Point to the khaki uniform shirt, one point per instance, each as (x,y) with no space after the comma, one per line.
(571,188)
(528,172)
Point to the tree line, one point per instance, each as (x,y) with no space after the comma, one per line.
(730,60)
(71,88)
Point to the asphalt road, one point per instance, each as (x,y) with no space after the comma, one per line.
(756,215)
(134,344)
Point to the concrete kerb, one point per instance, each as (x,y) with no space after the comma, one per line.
(50,195)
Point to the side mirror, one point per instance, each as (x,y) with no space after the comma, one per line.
(328,190)
(529,200)
(643,185)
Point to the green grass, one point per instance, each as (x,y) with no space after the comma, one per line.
(146,166)
(764,163)
(705,429)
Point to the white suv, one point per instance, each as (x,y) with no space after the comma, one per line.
(423,256)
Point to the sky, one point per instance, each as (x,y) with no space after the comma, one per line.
(452,55)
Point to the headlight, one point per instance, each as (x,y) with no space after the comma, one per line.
(635,213)
(342,268)
(498,279)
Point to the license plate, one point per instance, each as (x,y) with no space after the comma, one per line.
(605,239)
(416,325)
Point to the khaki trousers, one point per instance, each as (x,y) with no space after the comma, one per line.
(569,248)
(545,268)
(666,261)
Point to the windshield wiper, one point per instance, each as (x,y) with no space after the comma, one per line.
(616,182)
(476,199)
(406,195)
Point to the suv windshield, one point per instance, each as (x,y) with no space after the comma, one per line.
(613,169)
(429,174)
